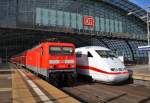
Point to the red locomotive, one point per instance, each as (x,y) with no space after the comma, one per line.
(53,60)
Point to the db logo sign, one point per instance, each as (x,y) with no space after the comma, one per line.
(88,21)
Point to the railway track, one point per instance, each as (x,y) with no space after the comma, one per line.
(102,93)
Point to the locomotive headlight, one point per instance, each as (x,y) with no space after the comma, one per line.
(120,69)
(54,61)
(112,69)
(69,61)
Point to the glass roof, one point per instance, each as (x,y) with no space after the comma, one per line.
(129,7)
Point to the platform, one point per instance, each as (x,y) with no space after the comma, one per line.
(140,72)
(21,86)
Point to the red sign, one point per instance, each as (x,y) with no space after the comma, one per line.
(88,21)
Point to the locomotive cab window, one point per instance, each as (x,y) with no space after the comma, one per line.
(67,50)
(55,50)
(61,50)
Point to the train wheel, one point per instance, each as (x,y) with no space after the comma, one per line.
(62,80)
(70,80)
(53,79)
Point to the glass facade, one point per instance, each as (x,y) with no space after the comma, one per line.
(121,47)
(139,56)
(7,13)
(97,42)
(69,14)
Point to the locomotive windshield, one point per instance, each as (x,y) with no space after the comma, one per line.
(55,50)
(67,50)
(106,53)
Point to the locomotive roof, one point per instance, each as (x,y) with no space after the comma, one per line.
(92,48)
(49,43)
(59,43)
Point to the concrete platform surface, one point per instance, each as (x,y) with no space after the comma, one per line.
(21,86)
(141,72)
(5,84)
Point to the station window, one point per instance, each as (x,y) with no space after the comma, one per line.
(107,25)
(111,25)
(53,17)
(67,19)
(59,18)
(97,24)
(79,21)
(116,26)
(102,24)
(45,17)
(38,16)
(120,26)
(73,20)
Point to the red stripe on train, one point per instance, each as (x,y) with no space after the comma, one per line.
(99,70)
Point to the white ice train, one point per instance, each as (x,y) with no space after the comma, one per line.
(101,64)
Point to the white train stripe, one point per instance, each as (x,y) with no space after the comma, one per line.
(41,95)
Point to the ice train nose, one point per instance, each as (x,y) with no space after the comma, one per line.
(118,77)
